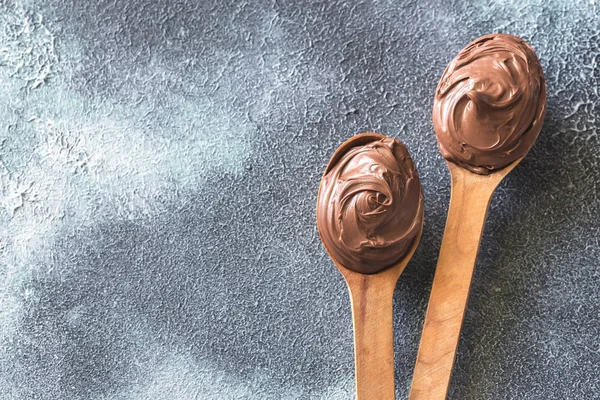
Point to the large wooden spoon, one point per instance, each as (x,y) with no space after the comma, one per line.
(371,297)
(488,111)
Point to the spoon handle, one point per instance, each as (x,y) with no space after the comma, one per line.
(371,297)
(469,203)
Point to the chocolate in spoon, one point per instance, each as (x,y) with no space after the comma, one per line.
(370,218)
(488,111)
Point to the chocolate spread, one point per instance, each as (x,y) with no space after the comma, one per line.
(490,103)
(370,206)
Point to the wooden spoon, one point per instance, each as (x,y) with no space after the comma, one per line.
(371,298)
(488,111)
(469,202)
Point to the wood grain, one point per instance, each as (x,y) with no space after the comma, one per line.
(469,202)
(371,297)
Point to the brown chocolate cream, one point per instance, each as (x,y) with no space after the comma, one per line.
(370,206)
(490,103)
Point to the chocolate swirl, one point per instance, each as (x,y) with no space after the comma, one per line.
(370,206)
(490,104)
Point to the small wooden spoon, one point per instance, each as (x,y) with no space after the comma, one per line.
(469,202)
(371,298)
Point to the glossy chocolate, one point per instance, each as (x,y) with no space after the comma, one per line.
(490,103)
(370,206)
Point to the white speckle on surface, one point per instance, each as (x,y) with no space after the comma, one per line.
(27,47)
(67,163)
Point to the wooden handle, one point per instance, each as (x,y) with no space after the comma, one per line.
(469,202)
(371,297)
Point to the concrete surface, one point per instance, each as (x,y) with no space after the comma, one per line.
(159,165)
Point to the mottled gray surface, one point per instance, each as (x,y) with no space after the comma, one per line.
(159,164)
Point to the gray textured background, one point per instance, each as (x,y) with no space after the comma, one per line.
(159,165)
